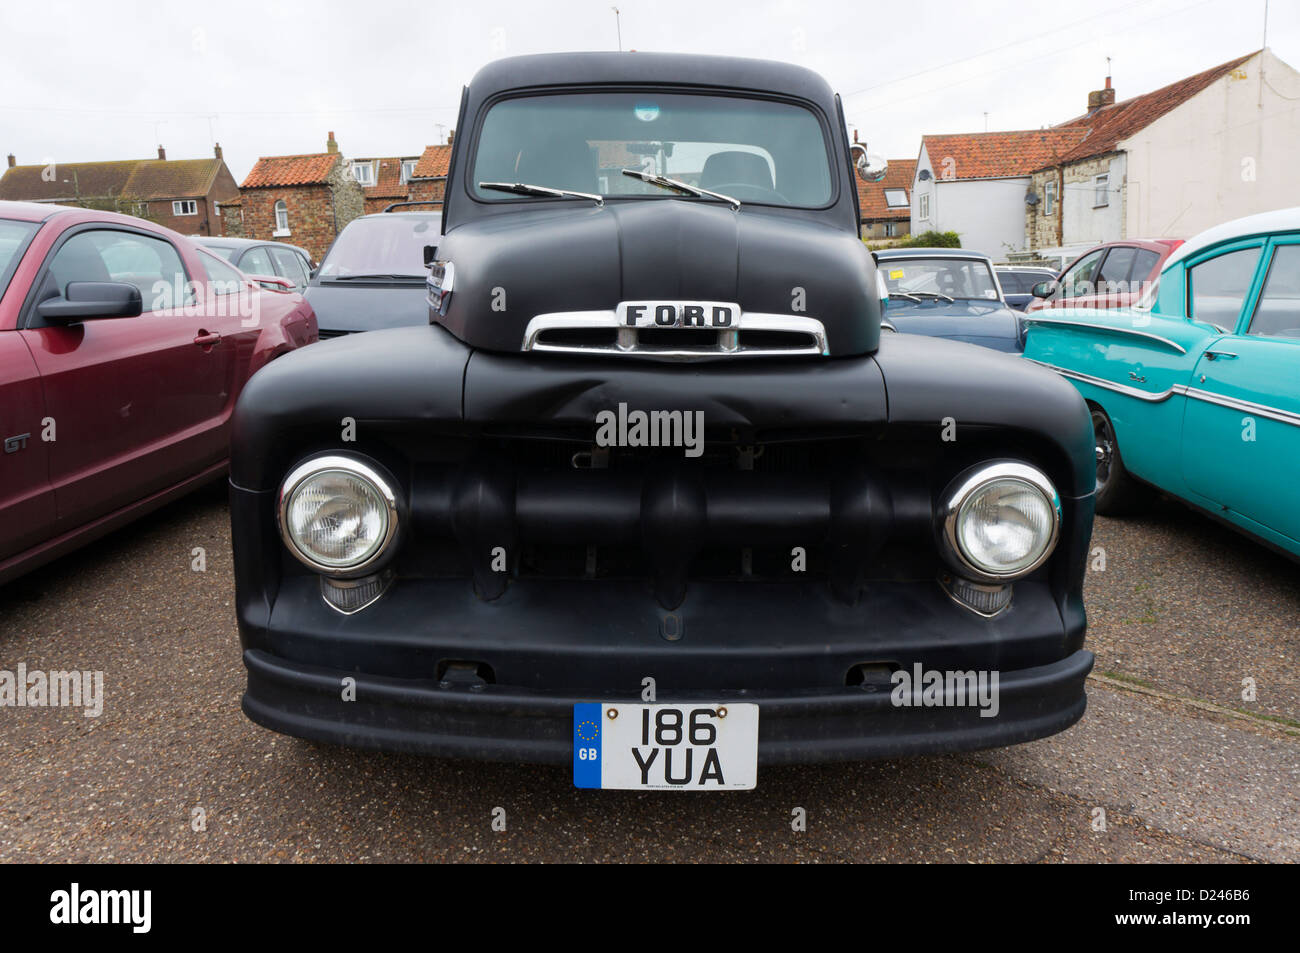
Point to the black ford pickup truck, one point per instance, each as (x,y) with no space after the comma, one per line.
(652,494)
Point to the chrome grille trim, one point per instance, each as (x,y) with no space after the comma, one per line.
(730,341)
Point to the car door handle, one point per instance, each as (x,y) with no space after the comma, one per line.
(1226,355)
(207,338)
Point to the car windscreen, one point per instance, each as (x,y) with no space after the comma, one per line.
(225,251)
(753,150)
(952,277)
(14,237)
(388,246)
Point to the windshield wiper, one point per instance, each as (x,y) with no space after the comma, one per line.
(905,294)
(679,186)
(932,294)
(366,277)
(523,188)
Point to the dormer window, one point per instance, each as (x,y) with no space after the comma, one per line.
(364,172)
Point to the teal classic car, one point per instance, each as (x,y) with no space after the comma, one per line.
(1196,389)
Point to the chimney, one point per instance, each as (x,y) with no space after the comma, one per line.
(1101,97)
(450,136)
(331,145)
(12,161)
(162,153)
(216,150)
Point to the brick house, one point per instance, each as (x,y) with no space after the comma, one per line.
(384,180)
(428,182)
(1167,164)
(304,200)
(885,207)
(183,194)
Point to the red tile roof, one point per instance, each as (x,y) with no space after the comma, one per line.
(871,195)
(433,164)
(388,178)
(998,155)
(311,169)
(1106,127)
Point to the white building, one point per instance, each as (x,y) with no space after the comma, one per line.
(976,185)
(1170,163)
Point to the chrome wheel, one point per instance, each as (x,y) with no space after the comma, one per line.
(1104,437)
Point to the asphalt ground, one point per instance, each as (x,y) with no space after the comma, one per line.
(1169,764)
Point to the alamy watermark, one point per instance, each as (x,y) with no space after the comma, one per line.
(655,428)
(54,689)
(933,688)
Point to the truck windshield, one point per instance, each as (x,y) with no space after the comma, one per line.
(948,277)
(759,151)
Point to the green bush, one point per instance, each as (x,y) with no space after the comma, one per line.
(933,240)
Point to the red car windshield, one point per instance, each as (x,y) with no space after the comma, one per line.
(14,237)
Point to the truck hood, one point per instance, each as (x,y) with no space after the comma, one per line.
(574,257)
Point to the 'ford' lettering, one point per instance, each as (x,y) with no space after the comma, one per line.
(680,314)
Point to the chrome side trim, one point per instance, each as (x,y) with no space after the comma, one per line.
(1110,385)
(1234,403)
(1062,322)
(729,342)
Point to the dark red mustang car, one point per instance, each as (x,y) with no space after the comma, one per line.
(123,347)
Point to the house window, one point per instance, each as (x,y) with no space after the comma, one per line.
(1101,191)
(896,198)
(890,229)
(923,207)
(281,219)
(408,170)
(1049,197)
(363,172)
(186,207)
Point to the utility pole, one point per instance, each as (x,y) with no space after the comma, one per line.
(619,27)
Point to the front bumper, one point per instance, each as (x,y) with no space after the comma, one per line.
(498,723)
(498,680)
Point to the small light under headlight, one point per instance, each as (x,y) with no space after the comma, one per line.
(1000,521)
(338,516)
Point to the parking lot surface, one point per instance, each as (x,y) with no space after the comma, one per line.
(1171,762)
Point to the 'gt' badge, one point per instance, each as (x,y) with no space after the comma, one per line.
(678,314)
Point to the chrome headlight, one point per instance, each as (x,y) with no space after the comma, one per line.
(999,521)
(338,516)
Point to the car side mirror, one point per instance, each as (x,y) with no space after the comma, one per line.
(92,300)
(1043,289)
(870,168)
(430,255)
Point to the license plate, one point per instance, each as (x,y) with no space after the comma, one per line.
(696,747)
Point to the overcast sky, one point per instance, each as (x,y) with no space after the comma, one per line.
(92,81)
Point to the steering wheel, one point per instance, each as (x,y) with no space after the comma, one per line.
(746,191)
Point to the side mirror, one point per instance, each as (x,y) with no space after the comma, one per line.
(430,255)
(870,168)
(1043,289)
(92,300)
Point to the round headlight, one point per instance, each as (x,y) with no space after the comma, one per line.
(1000,520)
(337,515)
